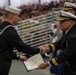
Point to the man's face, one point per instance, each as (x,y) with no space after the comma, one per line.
(65,25)
(71,11)
(15,18)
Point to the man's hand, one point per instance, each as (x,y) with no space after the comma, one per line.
(45,49)
(22,58)
(43,65)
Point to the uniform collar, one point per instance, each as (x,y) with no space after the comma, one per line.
(6,23)
(69,29)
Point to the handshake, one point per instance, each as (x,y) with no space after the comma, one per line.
(44,49)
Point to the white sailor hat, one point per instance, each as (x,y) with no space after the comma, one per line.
(69,6)
(13,9)
(66,16)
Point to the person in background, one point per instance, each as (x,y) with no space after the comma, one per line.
(70,7)
(67,43)
(23,14)
(10,39)
(34,14)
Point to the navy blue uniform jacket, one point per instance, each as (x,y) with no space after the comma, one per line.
(68,44)
(8,40)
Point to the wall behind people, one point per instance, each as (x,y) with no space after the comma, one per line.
(26,2)
(3,3)
(23,2)
(18,3)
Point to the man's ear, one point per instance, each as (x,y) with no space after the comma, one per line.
(70,23)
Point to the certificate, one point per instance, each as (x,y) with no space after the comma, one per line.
(33,62)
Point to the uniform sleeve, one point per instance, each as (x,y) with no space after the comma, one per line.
(67,54)
(14,39)
(55,46)
(13,55)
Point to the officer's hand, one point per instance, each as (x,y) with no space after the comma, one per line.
(22,58)
(43,65)
(45,49)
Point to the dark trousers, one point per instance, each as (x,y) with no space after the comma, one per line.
(68,71)
(3,74)
(4,70)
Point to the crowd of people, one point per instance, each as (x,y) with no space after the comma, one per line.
(34,10)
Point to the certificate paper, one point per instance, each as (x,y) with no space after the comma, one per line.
(33,62)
